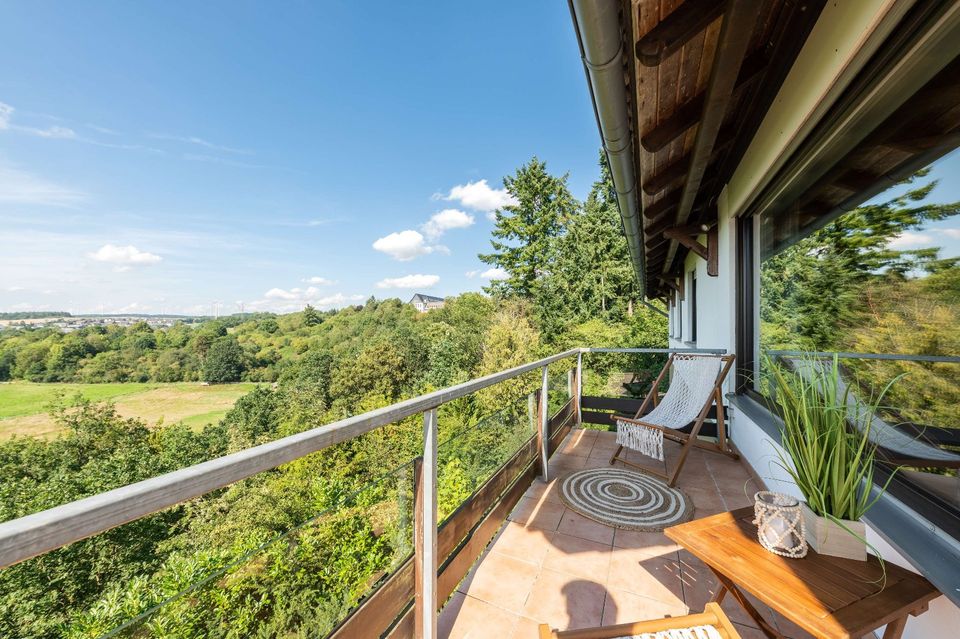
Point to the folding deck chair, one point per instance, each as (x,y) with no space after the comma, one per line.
(695,386)
(896,447)
(709,624)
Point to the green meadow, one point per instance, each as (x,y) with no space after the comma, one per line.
(25,406)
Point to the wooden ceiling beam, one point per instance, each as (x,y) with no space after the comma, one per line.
(682,235)
(689,113)
(656,255)
(855,181)
(671,33)
(654,242)
(680,167)
(739,21)
(913,145)
(657,228)
(666,176)
(661,206)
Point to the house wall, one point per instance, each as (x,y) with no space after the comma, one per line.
(716,299)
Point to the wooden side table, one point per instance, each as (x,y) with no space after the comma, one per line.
(826,596)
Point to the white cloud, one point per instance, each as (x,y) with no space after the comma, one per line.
(281,294)
(907,238)
(495,273)
(405,246)
(319,281)
(409,281)
(102,129)
(60,132)
(294,299)
(125,256)
(953,234)
(6,124)
(445,220)
(24,188)
(480,197)
(337,299)
(306,294)
(15,289)
(135,307)
(6,111)
(191,139)
(472,274)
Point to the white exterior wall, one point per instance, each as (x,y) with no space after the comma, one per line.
(716,299)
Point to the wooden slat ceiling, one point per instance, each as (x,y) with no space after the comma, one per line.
(674,47)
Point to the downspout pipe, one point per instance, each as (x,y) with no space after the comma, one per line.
(597,25)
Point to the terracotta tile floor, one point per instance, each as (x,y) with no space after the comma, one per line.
(550,565)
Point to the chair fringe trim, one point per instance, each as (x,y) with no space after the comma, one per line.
(696,632)
(646,441)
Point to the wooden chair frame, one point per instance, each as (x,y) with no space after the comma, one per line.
(712,615)
(690,439)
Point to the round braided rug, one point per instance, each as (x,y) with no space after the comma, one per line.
(625,499)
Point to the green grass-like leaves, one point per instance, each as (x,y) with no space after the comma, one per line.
(831,462)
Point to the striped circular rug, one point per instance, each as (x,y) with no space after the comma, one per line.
(625,499)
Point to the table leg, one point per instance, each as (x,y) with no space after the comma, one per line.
(721,593)
(895,628)
(726,585)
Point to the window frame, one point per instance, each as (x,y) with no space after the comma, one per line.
(915,498)
(693,306)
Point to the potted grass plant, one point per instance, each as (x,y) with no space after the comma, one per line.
(827,451)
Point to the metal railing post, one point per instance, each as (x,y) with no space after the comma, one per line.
(544,425)
(579,388)
(425,532)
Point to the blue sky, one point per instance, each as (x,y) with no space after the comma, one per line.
(159,156)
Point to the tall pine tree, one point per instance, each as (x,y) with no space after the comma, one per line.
(524,236)
(593,262)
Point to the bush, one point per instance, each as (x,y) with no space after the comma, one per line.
(224,361)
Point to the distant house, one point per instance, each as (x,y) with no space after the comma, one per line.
(424,303)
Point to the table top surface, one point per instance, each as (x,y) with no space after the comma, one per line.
(827,596)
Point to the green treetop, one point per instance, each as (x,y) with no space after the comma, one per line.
(523,236)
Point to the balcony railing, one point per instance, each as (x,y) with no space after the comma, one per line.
(407,599)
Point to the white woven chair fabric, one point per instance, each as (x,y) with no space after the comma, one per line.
(696,632)
(691,382)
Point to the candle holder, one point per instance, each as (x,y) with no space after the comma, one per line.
(779,521)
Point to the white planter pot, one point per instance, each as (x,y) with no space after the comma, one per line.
(830,538)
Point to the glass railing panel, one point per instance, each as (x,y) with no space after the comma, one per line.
(245,581)
(621,375)
(467,458)
(559,388)
(286,552)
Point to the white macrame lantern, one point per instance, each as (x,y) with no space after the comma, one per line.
(779,521)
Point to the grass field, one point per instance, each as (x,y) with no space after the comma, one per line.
(24,406)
